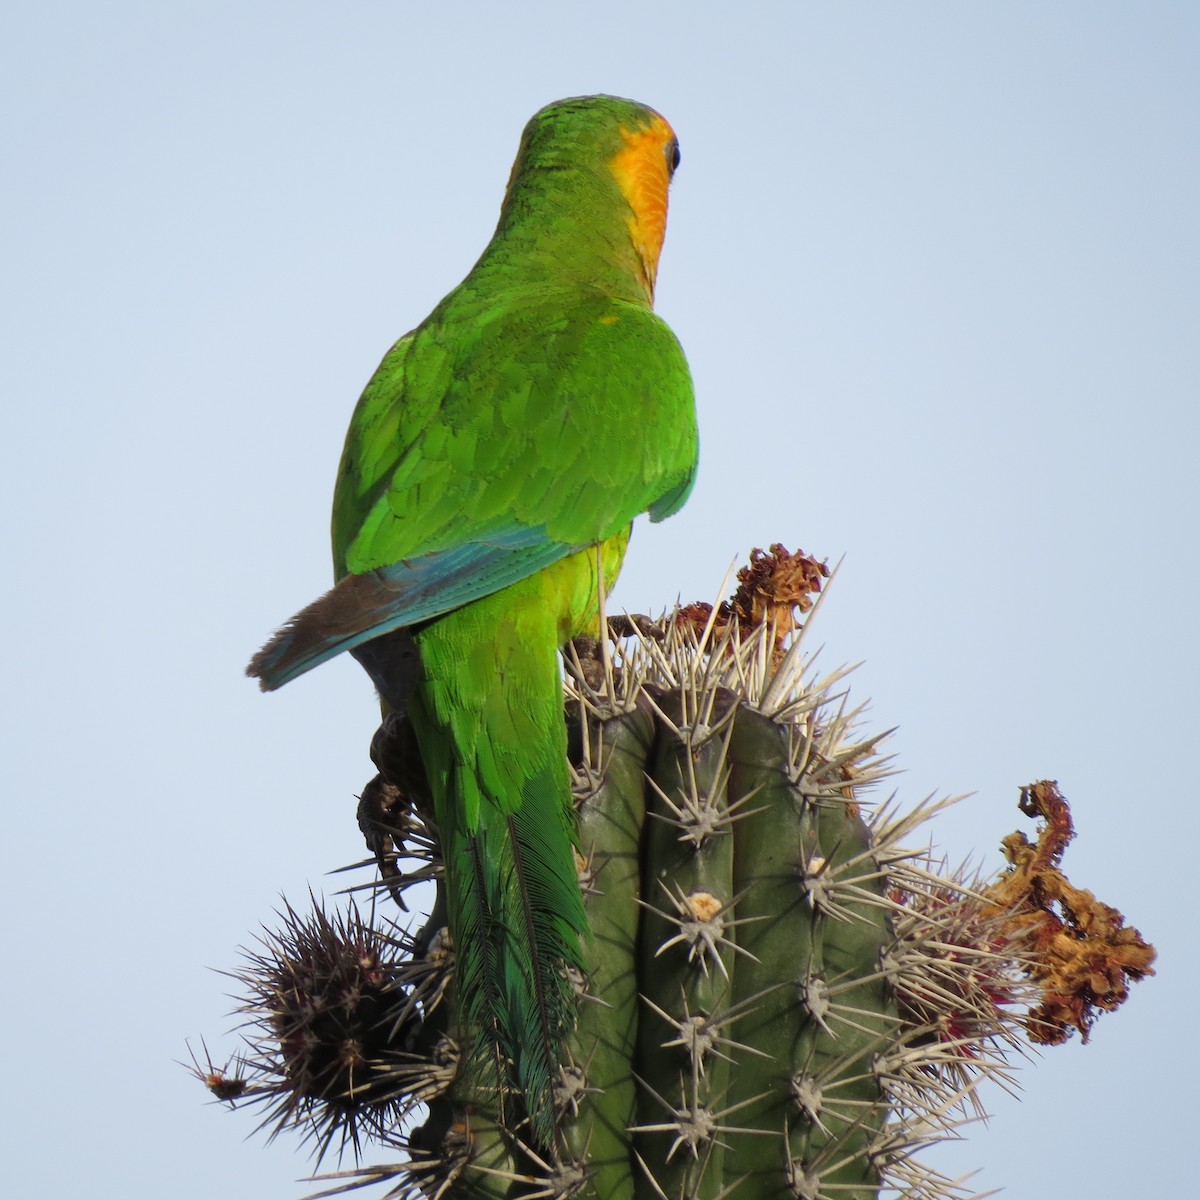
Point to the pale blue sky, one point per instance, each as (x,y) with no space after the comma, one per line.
(935,267)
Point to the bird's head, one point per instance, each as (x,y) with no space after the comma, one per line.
(604,164)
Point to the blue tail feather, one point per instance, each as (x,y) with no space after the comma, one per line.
(362,607)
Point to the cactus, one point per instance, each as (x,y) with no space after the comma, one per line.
(783,1002)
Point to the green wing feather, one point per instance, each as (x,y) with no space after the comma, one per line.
(572,413)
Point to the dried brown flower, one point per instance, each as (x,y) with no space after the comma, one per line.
(1078,951)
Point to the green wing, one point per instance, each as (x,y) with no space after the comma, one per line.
(479,424)
(488,446)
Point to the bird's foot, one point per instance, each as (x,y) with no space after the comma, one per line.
(382,809)
(589,660)
(585,661)
(393,811)
(635,625)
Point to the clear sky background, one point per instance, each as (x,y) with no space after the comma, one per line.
(935,266)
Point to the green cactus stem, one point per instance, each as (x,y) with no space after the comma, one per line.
(781,1002)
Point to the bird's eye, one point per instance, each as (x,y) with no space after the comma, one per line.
(673,155)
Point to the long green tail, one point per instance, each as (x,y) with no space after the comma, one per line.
(488,718)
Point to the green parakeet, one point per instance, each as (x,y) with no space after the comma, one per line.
(490,475)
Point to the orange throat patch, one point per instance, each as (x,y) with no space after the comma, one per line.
(641,172)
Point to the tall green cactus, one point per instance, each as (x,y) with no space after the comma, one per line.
(782,1002)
